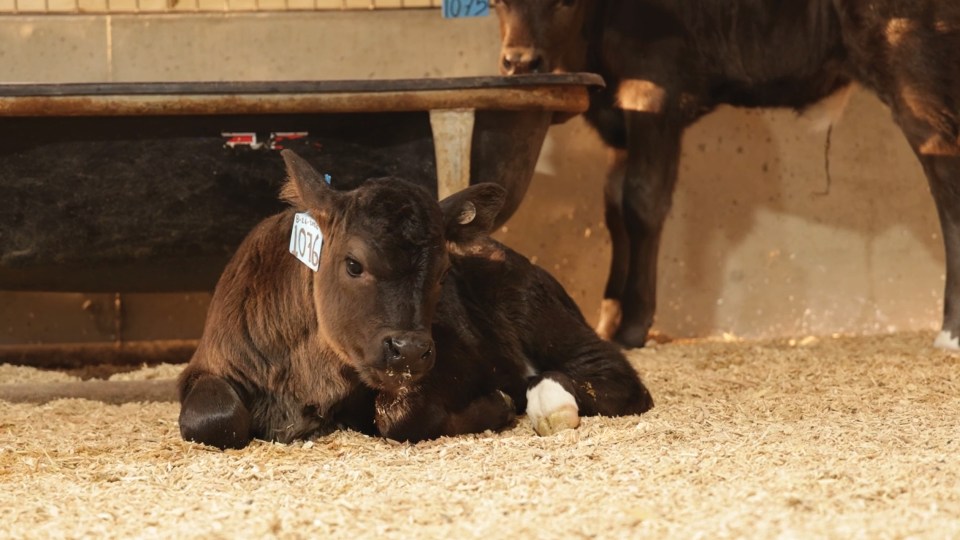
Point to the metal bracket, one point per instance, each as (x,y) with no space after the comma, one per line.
(452,142)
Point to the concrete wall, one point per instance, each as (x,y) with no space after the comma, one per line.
(758,243)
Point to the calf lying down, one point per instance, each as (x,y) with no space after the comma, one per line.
(414,325)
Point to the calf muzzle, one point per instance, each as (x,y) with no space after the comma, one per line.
(407,355)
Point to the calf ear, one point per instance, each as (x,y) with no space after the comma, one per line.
(305,188)
(472,212)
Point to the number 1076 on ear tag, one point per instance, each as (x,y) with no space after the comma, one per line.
(306,240)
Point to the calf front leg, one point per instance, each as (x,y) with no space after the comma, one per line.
(212,413)
(493,411)
(653,154)
(417,415)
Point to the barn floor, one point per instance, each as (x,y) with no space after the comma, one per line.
(833,437)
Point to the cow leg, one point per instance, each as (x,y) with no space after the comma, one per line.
(940,156)
(653,154)
(946,176)
(610,309)
(943,175)
(212,413)
(925,109)
(598,380)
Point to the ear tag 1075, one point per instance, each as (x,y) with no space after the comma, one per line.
(306,240)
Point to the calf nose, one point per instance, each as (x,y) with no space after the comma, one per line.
(413,351)
(517,61)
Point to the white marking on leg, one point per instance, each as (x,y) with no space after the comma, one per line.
(551,408)
(946,341)
(610,317)
(899,28)
(641,95)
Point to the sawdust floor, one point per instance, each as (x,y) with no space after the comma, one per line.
(844,438)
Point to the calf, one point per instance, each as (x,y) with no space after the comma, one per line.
(669,62)
(414,325)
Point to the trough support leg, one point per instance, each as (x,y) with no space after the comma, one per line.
(452,141)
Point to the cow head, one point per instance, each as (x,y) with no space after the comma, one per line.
(542,36)
(383,260)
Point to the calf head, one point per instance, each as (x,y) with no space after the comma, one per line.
(383,259)
(541,36)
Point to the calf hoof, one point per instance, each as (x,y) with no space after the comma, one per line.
(946,340)
(505,411)
(507,400)
(551,407)
(213,414)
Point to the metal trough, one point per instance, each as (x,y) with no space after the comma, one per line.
(150,187)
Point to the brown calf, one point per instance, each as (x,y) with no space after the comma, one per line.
(415,325)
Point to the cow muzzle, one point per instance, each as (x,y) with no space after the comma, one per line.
(407,357)
(520,60)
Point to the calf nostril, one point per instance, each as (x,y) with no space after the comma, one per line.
(392,349)
(426,354)
(507,63)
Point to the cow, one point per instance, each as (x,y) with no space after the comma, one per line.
(414,324)
(669,62)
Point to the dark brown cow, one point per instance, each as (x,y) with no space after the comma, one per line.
(669,62)
(377,340)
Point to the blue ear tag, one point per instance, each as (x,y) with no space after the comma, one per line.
(456,9)
(306,240)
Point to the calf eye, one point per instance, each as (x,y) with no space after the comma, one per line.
(354,268)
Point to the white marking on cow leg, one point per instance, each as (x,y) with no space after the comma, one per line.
(610,317)
(641,95)
(946,341)
(899,28)
(937,145)
(550,408)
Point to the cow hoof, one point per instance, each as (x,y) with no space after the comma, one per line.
(946,341)
(551,408)
(632,337)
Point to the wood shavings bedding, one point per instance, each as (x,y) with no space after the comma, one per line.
(850,437)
